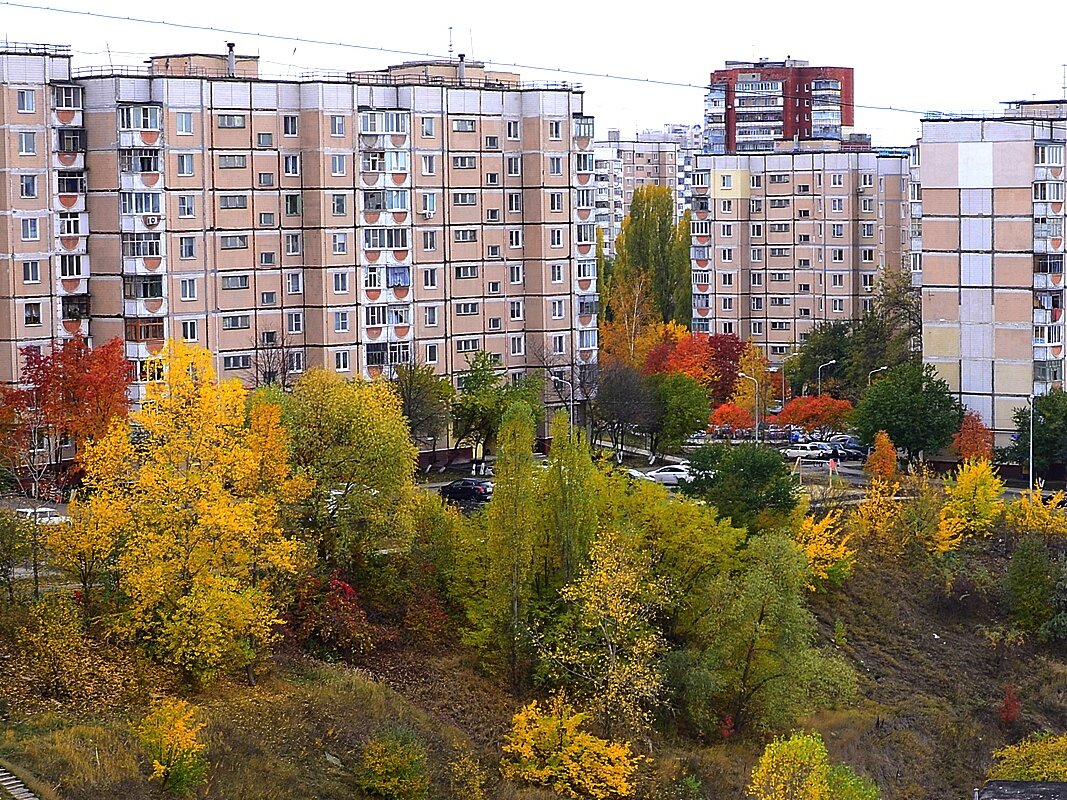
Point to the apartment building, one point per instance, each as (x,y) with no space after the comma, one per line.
(989,255)
(351,221)
(750,105)
(785,241)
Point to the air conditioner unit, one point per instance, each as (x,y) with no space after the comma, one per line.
(151,220)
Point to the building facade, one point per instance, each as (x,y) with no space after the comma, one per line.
(990,253)
(356,221)
(750,105)
(785,241)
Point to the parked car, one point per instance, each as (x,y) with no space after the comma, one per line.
(808,450)
(42,516)
(468,490)
(695,440)
(670,475)
(638,475)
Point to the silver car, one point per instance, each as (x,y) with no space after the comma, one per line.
(670,475)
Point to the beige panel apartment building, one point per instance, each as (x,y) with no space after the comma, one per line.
(353,221)
(785,241)
(991,260)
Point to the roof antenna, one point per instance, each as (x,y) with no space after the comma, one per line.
(449,42)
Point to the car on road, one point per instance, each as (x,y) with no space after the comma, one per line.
(808,450)
(638,475)
(42,516)
(670,475)
(467,491)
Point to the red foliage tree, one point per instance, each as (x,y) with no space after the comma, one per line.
(822,412)
(1009,707)
(725,355)
(731,415)
(692,356)
(974,439)
(658,357)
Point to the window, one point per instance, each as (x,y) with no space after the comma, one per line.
(726,181)
(837,279)
(236,322)
(556,273)
(70,266)
(429,165)
(189,333)
(339,205)
(867,179)
(555,165)
(727,279)
(429,316)
(231,120)
(264,140)
(294,283)
(385,238)
(31,231)
(145,118)
(513,129)
(291,164)
(340,244)
(337,165)
(1044,154)
(234,242)
(556,237)
(266,219)
(337,125)
(267,259)
(429,240)
(587,339)
(515,238)
(837,204)
(185,205)
(294,322)
(515,310)
(466,235)
(514,166)
(756,278)
(867,205)
(837,254)
(1044,191)
(292,205)
(428,127)
(727,206)
(837,230)
(463,162)
(867,255)
(265,178)
(340,283)
(27,101)
(429,278)
(466,309)
(232,162)
(31,271)
(518,344)
(727,254)
(837,304)
(233,201)
(492,215)
(559,344)
(515,273)
(290,125)
(557,309)
(234,281)
(467,345)
(466,271)
(27,143)
(492,142)
(514,202)
(243,361)
(27,186)
(292,244)
(186,247)
(340,322)
(463,125)
(340,361)
(32,314)
(463,198)
(187,288)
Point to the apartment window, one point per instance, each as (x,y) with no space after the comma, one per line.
(231,120)
(556,273)
(555,165)
(27,101)
(837,255)
(837,279)
(32,314)
(492,251)
(514,202)
(264,140)
(557,309)
(189,332)
(726,181)
(232,162)
(429,240)
(755,206)
(339,204)
(141,202)
(837,305)
(292,205)
(867,179)
(466,235)
(233,201)
(267,259)
(515,238)
(235,282)
(781,300)
(587,339)
(779,252)
(837,230)
(514,166)
(727,206)
(337,125)
(428,127)
(144,118)
(429,278)
(243,361)
(31,271)
(31,231)
(466,309)
(291,164)
(340,361)
(340,244)
(867,205)
(187,288)
(518,344)
(780,325)
(429,165)
(513,129)
(27,186)
(337,165)
(429,316)
(236,322)
(727,279)
(290,125)
(186,206)
(757,328)
(292,244)
(265,178)
(1050,155)
(867,255)
(515,310)
(294,283)
(463,198)
(726,254)
(492,215)
(727,229)
(463,125)
(467,345)
(515,273)
(233,242)
(867,229)
(464,162)
(266,219)
(70,266)
(1048,191)
(556,237)
(340,322)
(837,204)
(186,247)
(27,143)
(294,322)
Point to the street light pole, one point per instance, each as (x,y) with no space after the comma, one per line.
(755,399)
(829,363)
(570,387)
(871,374)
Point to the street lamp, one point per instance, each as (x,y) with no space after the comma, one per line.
(755,399)
(871,374)
(829,363)
(570,387)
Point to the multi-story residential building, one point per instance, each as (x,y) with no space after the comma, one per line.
(353,221)
(784,241)
(609,195)
(990,255)
(750,105)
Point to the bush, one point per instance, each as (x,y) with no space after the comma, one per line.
(1041,757)
(466,778)
(796,768)
(1031,581)
(847,785)
(169,734)
(394,767)
(328,620)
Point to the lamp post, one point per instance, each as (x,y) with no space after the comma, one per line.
(829,363)
(1030,470)
(755,399)
(570,387)
(871,374)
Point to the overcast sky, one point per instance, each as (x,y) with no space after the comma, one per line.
(940,55)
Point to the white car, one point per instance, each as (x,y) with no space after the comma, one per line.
(670,475)
(808,450)
(42,516)
(638,475)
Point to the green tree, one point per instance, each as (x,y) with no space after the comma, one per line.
(913,406)
(1050,432)
(829,341)
(1031,580)
(478,411)
(426,400)
(683,408)
(650,244)
(749,484)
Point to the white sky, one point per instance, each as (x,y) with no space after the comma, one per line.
(942,55)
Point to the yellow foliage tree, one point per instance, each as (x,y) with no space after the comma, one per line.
(874,522)
(1042,757)
(170,735)
(86,546)
(825,543)
(882,461)
(1033,513)
(972,504)
(195,489)
(754,364)
(797,768)
(633,328)
(548,747)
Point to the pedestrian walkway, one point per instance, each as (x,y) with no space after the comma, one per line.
(10,786)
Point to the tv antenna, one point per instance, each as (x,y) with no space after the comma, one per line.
(449,42)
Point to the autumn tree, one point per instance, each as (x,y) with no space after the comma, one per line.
(478,410)
(15,548)
(973,440)
(972,504)
(426,401)
(726,350)
(624,404)
(821,413)
(1032,512)
(750,485)
(351,438)
(913,406)
(86,547)
(754,364)
(1040,757)
(882,461)
(733,416)
(797,768)
(1050,432)
(630,329)
(826,544)
(681,407)
(203,483)
(170,735)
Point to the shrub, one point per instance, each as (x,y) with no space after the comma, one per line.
(796,768)
(328,620)
(1030,583)
(169,734)
(466,778)
(394,767)
(1041,757)
(847,785)
(1008,710)
(547,747)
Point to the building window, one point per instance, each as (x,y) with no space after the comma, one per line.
(466,271)
(340,244)
(292,244)
(518,344)
(290,125)
(463,198)
(340,322)
(429,165)
(429,240)
(559,344)
(189,332)
(235,282)
(467,346)
(431,353)
(32,314)
(27,101)
(429,278)
(515,238)
(340,361)
(264,140)
(556,272)
(233,201)
(266,219)
(555,165)
(231,120)
(513,129)
(463,125)
(31,271)
(837,279)
(429,316)
(555,129)
(232,162)
(294,283)
(294,322)
(558,310)
(292,205)
(337,165)
(428,127)
(187,288)
(463,162)
(556,237)
(340,283)
(265,178)
(515,273)
(727,206)
(236,322)
(337,125)
(1046,191)
(186,247)
(726,181)
(1045,155)
(267,259)
(234,242)
(27,143)
(837,255)
(837,304)
(514,166)
(291,165)
(31,231)
(27,186)
(587,339)
(340,205)
(514,202)
(186,206)
(466,309)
